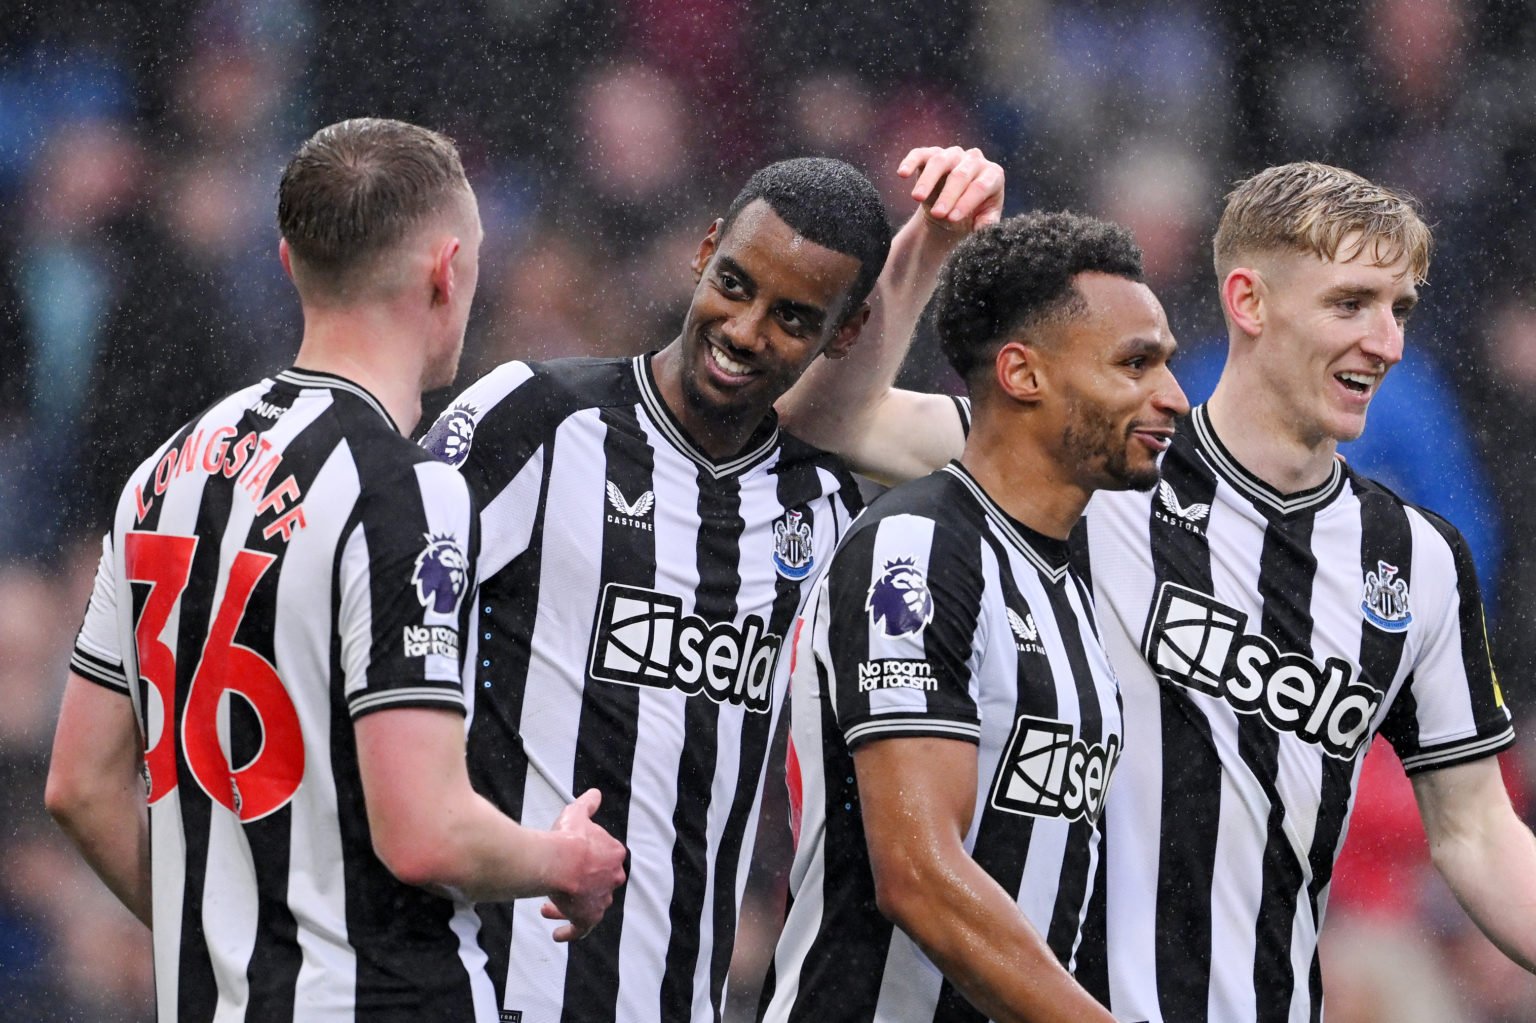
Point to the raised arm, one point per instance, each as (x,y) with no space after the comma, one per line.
(917,797)
(849,407)
(430,828)
(1486,854)
(96,793)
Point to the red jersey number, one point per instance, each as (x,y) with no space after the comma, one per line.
(269,780)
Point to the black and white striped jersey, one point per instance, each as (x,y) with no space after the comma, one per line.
(284,564)
(1261,641)
(635,598)
(942,616)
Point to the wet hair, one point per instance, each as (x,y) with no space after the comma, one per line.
(1312,208)
(356,189)
(1012,278)
(829,203)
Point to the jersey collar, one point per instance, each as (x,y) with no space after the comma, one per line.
(1047,554)
(1246,483)
(303,378)
(758,447)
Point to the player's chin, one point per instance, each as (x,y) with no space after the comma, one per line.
(1132,477)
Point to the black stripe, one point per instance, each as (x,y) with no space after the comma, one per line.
(841,974)
(197,990)
(1002,839)
(1191,777)
(408,964)
(607,731)
(1072,887)
(1287,568)
(1385,535)
(1476,658)
(718,553)
(498,762)
(797,485)
(844,965)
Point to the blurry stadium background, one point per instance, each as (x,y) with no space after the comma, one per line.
(140,146)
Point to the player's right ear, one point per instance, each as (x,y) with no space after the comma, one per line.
(1242,299)
(707,248)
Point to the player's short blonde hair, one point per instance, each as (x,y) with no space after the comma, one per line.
(1314,208)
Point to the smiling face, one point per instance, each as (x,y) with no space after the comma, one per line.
(1115,398)
(767,303)
(1330,332)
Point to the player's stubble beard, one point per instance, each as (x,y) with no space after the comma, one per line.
(1093,438)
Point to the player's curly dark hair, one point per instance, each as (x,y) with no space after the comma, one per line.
(829,203)
(1013,276)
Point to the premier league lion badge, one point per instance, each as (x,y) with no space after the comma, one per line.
(899,602)
(440,575)
(452,434)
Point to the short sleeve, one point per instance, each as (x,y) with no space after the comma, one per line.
(901,616)
(98,655)
(1451,709)
(406,584)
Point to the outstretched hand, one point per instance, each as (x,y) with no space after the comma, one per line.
(960,189)
(594,868)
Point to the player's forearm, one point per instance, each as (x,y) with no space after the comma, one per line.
(107,821)
(1492,870)
(834,401)
(465,845)
(976,935)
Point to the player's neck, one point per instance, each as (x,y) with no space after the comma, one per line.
(720,432)
(1024,481)
(1265,440)
(370,348)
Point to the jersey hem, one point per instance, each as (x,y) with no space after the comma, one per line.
(399,698)
(911,728)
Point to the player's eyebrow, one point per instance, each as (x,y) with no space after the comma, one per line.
(736,270)
(1135,346)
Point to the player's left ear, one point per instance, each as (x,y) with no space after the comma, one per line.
(285,257)
(847,333)
(443,281)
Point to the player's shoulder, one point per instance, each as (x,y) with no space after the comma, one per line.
(795,453)
(528,400)
(940,498)
(1370,491)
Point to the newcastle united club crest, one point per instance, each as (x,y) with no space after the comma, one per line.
(793,553)
(1385,603)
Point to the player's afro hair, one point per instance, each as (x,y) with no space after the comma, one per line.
(1017,275)
(829,203)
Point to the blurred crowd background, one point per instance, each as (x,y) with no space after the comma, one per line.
(140,147)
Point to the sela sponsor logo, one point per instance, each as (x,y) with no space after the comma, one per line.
(642,638)
(1385,601)
(1025,632)
(1047,772)
(626,514)
(896,673)
(435,640)
(899,603)
(1190,517)
(452,435)
(1202,644)
(793,553)
(440,574)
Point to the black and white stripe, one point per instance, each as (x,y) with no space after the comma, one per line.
(609,534)
(1233,801)
(278,541)
(1008,659)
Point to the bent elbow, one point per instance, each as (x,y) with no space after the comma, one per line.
(65,797)
(900,893)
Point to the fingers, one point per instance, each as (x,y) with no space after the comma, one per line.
(956,185)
